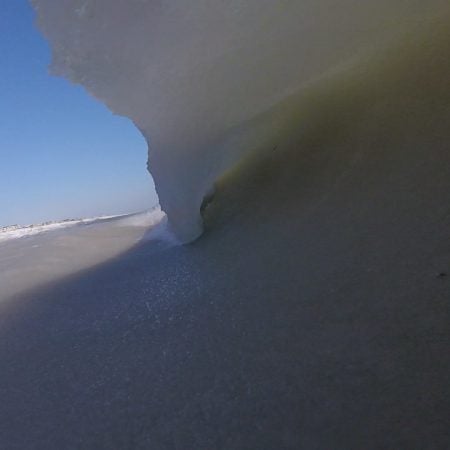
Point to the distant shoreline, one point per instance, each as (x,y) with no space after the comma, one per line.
(18,231)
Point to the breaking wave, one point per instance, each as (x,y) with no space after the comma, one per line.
(208,84)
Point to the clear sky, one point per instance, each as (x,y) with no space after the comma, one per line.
(63,154)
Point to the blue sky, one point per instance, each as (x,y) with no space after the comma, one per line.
(62,153)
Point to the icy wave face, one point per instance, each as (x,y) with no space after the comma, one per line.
(197,78)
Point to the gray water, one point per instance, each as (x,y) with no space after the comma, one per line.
(31,261)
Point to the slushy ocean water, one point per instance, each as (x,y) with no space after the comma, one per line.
(313,311)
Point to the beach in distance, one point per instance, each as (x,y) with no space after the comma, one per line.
(32,256)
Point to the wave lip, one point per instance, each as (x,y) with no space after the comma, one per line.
(186,74)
